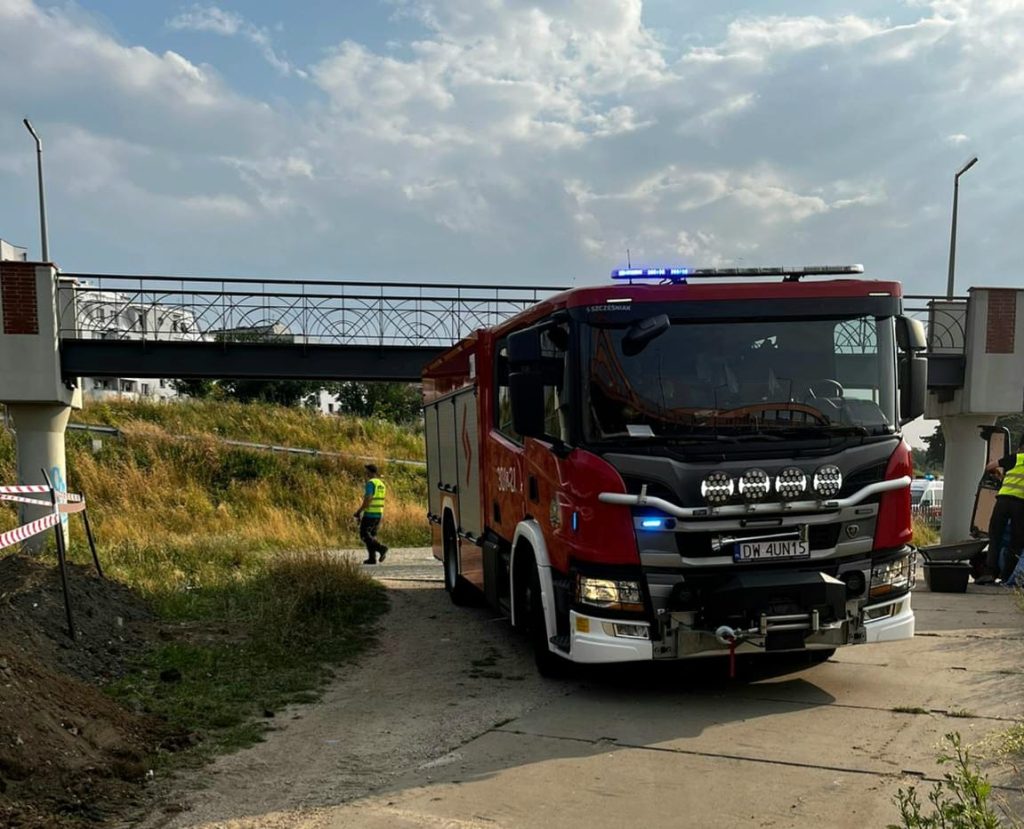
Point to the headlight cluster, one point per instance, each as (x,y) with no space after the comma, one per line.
(756,484)
(610,594)
(895,576)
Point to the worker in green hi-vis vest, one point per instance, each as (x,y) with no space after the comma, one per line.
(370,513)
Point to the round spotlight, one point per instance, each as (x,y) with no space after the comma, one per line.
(791,482)
(754,484)
(717,488)
(828,480)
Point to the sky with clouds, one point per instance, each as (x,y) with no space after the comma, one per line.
(515,141)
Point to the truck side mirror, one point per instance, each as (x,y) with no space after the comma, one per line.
(524,348)
(910,334)
(913,371)
(526,390)
(913,368)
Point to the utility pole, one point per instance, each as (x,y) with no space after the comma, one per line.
(952,233)
(42,199)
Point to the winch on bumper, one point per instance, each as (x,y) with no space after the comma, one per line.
(760,611)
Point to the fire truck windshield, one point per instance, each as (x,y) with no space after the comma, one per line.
(723,379)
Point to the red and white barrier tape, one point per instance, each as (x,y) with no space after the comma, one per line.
(24,499)
(28,530)
(66,502)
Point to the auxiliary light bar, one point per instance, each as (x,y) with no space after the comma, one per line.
(682,274)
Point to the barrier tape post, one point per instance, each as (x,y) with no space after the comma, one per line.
(92,543)
(61,554)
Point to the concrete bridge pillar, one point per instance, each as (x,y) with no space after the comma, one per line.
(40,431)
(965,459)
(989,334)
(31,382)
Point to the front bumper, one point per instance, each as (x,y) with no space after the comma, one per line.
(899,624)
(592,639)
(590,642)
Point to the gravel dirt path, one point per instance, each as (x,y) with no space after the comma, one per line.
(440,677)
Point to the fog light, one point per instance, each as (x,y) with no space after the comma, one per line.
(625,631)
(883,612)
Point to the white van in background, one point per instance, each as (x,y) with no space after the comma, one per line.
(926,500)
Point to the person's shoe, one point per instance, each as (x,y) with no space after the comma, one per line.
(383,554)
(369,561)
(986,579)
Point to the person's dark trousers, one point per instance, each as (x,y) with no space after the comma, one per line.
(368,533)
(1008,509)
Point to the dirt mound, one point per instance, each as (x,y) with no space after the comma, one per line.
(68,753)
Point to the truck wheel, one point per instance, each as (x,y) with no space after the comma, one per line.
(818,657)
(459,590)
(549,664)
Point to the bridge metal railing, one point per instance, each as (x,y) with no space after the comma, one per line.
(945,321)
(183,309)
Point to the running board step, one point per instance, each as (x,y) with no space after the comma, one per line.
(561,642)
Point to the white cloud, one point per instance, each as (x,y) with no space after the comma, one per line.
(214,20)
(505,136)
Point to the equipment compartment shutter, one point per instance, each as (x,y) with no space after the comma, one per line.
(447,442)
(433,459)
(468,463)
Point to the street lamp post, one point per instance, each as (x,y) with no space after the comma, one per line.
(42,200)
(952,233)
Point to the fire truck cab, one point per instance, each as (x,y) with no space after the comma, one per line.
(683,463)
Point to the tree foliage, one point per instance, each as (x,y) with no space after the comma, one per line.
(397,402)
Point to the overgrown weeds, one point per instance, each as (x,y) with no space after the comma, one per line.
(924,534)
(267,639)
(227,544)
(962,800)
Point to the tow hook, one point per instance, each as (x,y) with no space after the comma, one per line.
(727,636)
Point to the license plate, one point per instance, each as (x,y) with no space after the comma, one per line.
(775,550)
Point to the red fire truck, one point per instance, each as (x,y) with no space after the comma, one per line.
(683,463)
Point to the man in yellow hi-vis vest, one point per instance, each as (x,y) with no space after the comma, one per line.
(1009,509)
(372,510)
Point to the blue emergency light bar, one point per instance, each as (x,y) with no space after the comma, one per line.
(682,274)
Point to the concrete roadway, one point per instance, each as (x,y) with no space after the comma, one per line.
(682,746)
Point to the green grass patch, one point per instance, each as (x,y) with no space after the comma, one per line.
(252,645)
(909,709)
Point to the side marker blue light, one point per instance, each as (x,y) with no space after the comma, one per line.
(575,521)
(651,523)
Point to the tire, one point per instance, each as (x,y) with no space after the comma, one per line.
(819,657)
(459,590)
(549,664)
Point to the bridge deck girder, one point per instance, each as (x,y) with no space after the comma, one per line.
(240,360)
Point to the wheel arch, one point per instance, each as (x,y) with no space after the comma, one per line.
(528,540)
